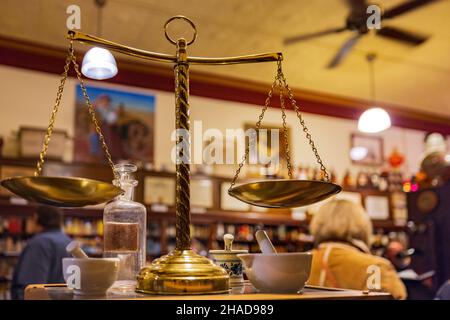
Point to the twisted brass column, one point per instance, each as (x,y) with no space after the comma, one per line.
(182,203)
(182,271)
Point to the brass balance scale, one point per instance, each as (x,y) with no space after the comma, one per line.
(182,271)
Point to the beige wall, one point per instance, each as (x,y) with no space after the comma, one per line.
(26,98)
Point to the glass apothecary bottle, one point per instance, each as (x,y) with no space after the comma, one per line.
(125,228)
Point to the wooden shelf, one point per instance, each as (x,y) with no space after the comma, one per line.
(9,254)
(210,217)
(23,210)
(233,217)
(388,225)
(87,236)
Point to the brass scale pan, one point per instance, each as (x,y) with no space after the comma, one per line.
(62,191)
(284,193)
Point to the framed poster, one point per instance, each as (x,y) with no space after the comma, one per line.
(366,150)
(399,207)
(267,148)
(343,195)
(377,207)
(201,193)
(354,197)
(126,120)
(13,171)
(159,190)
(31,140)
(228,202)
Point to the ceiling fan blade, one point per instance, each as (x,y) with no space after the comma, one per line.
(344,51)
(304,37)
(405,7)
(407,37)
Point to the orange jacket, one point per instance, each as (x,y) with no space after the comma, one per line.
(341,265)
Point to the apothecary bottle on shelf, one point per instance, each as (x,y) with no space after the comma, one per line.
(125,230)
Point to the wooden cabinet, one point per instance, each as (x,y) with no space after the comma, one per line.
(429,214)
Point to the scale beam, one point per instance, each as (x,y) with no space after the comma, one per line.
(162,57)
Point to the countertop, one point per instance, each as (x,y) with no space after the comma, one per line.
(246,292)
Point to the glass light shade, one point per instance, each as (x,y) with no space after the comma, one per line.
(358,153)
(99,64)
(374,120)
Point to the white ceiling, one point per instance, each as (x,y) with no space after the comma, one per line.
(416,78)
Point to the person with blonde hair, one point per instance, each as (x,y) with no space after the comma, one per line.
(342,233)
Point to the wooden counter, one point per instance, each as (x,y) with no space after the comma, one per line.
(247,292)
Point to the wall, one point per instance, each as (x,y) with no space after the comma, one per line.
(26,99)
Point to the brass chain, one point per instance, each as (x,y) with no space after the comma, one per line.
(71,59)
(283,116)
(305,129)
(40,163)
(92,113)
(281,83)
(257,127)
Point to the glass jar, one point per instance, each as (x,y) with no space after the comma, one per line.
(124,234)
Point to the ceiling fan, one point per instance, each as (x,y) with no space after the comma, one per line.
(357,22)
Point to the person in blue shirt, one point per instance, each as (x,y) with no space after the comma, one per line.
(41,260)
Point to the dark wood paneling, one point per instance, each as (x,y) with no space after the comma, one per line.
(431,234)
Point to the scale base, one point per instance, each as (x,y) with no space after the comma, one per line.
(182,272)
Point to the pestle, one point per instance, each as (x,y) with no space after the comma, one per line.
(74,249)
(228,241)
(265,245)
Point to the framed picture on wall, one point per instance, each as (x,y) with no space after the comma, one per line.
(159,190)
(126,120)
(31,140)
(377,207)
(366,150)
(267,148)
(355,197)
(201,193)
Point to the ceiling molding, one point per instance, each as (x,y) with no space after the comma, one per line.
(28,55)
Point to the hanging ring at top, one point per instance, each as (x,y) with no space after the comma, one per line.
(181,18)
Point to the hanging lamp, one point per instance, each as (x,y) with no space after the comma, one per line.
(99,63)
(374,119)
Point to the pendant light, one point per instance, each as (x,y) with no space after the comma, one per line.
(99,63)
(374,119)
